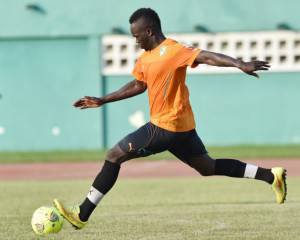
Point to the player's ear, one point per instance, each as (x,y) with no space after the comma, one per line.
(149,31)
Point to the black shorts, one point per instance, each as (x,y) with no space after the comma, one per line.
(150,139)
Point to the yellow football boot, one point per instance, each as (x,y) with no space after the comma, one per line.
(279,184)
(71,214)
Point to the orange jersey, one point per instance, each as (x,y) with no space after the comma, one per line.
(163,69)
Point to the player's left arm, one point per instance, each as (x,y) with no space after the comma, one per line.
(221,60)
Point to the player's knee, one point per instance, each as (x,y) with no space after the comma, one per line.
(116,155)
(204,164)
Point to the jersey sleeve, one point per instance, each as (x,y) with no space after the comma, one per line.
(138,71)
(186,56)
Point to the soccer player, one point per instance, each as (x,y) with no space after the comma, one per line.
(161,70)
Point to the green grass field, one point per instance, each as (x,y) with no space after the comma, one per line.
(240,152)
(160,209)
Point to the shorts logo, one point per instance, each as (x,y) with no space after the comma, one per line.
(130,147)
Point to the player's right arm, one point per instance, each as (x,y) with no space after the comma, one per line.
(131,89)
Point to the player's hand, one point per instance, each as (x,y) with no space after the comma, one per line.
(253,66)
(88,102)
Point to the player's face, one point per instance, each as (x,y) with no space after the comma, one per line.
(142,34)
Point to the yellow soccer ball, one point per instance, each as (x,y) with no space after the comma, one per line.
(46,220)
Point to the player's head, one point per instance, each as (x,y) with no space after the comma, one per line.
(144,26)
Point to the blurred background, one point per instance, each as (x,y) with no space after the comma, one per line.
(53,52)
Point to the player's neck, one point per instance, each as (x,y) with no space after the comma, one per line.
(158,40)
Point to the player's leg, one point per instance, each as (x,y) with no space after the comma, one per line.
(104,181)
(143,142)
(208,166)
(276,176)
(191,150)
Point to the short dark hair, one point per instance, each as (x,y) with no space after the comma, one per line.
(150,16)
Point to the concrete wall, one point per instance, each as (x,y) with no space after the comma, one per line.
(39,81)
(90,17)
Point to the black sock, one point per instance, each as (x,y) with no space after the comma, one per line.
(230,167)
(86,209)
(103,183)
(264,174)
(236,168)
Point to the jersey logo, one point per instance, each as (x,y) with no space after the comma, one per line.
(162,50)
